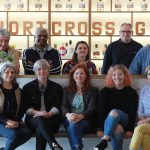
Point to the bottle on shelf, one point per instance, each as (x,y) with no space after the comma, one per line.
(62,50)
(100,5)
(82,5)
(96,52)
(118,5)
(55,46)
(20,5)
(70,49)
(38,5)
(104,50)
(58,5)
(69,5)
(144,5)
(7,5)
(130,5)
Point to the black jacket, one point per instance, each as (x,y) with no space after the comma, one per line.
(32,96)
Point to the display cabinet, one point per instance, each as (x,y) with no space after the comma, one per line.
(68,21)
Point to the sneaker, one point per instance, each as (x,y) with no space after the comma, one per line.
(102,145)
(78,147)
(56,146)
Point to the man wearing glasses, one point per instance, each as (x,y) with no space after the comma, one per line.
(121,51)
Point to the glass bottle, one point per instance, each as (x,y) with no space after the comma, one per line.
(100,5)
(62,50)
(7,5)
(96,52)
(144,5)
(82,5)
(130,5)
(20,5)
(70,48)
(104,50)
(118,5)
(69,5)
(38,5)
(58,5)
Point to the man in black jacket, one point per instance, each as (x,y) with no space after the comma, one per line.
(41,50)
(121,51)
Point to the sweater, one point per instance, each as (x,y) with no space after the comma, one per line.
(125,100)
(120,53)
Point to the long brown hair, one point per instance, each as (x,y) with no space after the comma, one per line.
(75,55)
(72,84)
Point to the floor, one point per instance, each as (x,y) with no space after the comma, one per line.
(89,143)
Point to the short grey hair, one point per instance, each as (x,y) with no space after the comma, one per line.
(127,24)
(3,67)
(41,63)
(40,29)
(4,32)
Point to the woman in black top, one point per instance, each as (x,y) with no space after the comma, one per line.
(43,102)
(117,108)
(11,109)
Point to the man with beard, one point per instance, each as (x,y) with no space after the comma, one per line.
(41,50)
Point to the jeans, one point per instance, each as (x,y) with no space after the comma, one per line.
(75,132)
(110,125)
(15,137)
(141,137)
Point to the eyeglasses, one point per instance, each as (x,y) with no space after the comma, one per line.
(123,31)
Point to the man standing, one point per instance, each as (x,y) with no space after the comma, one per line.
(121,51)
(41,50)
(9,51)
(140,61)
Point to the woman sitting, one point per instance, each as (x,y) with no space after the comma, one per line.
(11,109)
(81,55)
(43,102)
(117,108)
(141,134)
(78,108)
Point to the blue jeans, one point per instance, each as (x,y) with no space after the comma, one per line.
(15,137)
(75,132)
(110,125)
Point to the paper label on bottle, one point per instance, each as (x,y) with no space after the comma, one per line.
(58,5)
(20,5)
(7,6)
(38,5)
(130,6)
(68,5)
(100,6)
(117,5)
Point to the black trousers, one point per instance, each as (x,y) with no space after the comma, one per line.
(44,129)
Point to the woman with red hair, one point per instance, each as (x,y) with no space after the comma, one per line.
(79,103)
(117,108)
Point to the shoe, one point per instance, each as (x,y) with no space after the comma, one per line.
(102,145)
(78,147)
(2,148)
(56,146)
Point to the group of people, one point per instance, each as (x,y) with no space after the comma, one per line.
(124,51)
(80,106)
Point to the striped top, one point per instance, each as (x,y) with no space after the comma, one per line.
(144,104)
